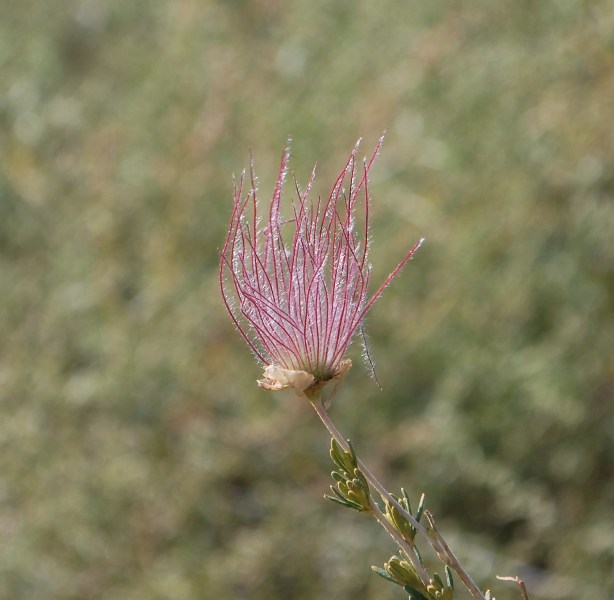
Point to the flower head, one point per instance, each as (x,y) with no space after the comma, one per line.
(297,287)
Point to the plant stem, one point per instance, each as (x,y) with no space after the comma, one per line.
(431,534)
(519,582)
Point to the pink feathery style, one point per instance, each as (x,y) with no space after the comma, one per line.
(296,287)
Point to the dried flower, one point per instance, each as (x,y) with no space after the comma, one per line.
(297,289)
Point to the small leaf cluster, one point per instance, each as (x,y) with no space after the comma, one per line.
(352,489)
(399,522)
(399,570)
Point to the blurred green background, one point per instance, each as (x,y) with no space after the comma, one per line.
(138,459)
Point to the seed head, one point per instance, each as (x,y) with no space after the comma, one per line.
(297,287)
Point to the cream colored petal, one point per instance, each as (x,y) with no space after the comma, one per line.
(270,385)
(343,369)
(276,378)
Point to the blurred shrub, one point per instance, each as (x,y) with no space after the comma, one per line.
(138,459)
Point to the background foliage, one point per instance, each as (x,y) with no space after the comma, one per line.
(138,460)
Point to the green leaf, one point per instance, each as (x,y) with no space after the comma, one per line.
(358,474)
(405,502)
(346,461)
(338,476)
(418,555)
(345,503)
(352,453)
(437,581)
(341,499)
(420,508)
(337,493)
(449,578)
(336,454)
(414,594)
(400,523)
(382,573)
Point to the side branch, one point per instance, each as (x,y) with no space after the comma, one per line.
(430,533)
